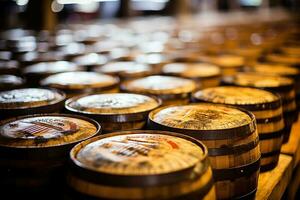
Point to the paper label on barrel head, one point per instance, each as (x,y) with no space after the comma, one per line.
(39,128)
(201,117)
(161,83)
(114,103)
(229,95)
(264,81)
(140,154)
(26,95)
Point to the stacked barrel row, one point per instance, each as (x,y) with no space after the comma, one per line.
(90,114)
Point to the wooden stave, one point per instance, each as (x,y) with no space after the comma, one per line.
(232,170)
(40,168)
(273,122)
(161,179)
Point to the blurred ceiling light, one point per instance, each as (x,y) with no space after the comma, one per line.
(251,2)
(56,7)
(21,2)
(81,1)
(90,7)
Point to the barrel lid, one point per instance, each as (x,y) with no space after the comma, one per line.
(8,64)
(90,59)
(275,69)
(283,58)
(251,97)
(192,70)
(214,121)
(29,98)
(51,67)
(125,69)
(160,85)
(112,104)
(10,81)
(79,80)
(227,60)
(36,131)
(138,154)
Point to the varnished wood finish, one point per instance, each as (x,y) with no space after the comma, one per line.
(152,165)
(231,138)
(115,111)
(266,108)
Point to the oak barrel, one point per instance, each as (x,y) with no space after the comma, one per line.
(140,165)
(114,111)
(281,85)
(30,101)
(205,75)
(267,110)
(34,150)
(76,83)
(231,137)
(171,90)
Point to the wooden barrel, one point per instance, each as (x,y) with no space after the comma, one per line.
(230,64)
(30,101)
(9,66)
(155,60)
(125,70)
(267,110)
(115,111)
(34,150)
(290,49)
(280,70)
(205,75)
(231,138)
(281,85)
(283,59)
(36,72)
(76,83)
(10,82)
(136,165)
(90,60)
(172,90)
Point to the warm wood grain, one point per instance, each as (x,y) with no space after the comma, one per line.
(292,148)
(272,184)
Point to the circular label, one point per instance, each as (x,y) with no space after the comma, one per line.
(26,95)
(201,117)
(192,70)
(41,127)
(161,84)
(80,79)
(117,103)
(45,131)
(229,95)
(140,154)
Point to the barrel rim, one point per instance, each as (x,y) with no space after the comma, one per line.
(152,178)
(277,103)
(125,117)
(55,101)
(92,121)
(218,134)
